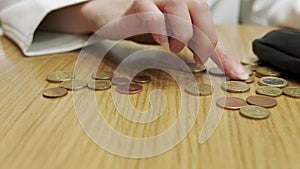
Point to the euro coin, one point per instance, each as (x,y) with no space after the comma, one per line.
(141,79)
(55,92)
(267,71)
(216,71)
(249,80)
(268,91)
(231,103)
(129,88)
(196,68)
(250,61)
(262,101)
(59,76)
(292,92)
(103,75)
(73,84)
(99,85)
(273,81)
(199,89)
(235,86)
(254,112)
(120,80)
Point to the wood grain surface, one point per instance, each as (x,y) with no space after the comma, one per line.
(42,133)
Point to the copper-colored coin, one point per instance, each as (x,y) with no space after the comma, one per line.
(199,89)
(141,79)
(235,86)
(258,75)
(262,101)
(120,80)
(129,88)
(74,84)
(250,61)
(231,103)
(99,85)
(273,81)
(292,91)
(249,80)
(105,75)
(268,91)
(55,92)
(267,71)
(254,112)
(254,67)
(59,76)
(216,71)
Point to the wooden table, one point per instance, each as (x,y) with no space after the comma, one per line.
(41,133)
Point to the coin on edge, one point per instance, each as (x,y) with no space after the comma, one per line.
(268,91)
(273,81)
(216,71)
(199,89)
(102,75)
(55,92)
(254,112)
(59,76)
(235,86)
(129,88)
(262,101)
(231,103)
(292,92)
(141,79)
(267,71)
(99,85)
(74,84)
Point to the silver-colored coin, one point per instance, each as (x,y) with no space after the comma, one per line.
(73,84)
(216,71)
(273,81)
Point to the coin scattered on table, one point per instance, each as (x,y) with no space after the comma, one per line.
(250,61)
(254,112)
(102,75)
(120,80)
(262,101)
(199,89)
(141,79)
(55,92)
(268,91)
(248,69)
(235,86)
(129,88)
(99,85)
(59,76)
(216,71)
(249,80)
(196,68)
(73,84)
(292,92)
(254,67)
(231,103)
(273,81)
(267,71)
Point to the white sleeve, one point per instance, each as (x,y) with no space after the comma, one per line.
(20,20)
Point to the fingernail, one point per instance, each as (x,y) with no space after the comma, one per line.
(240,72)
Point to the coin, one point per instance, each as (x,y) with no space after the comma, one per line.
(273,81)
(231,103)
(99,85)
(267,71)
(254,67)
(235,86)
(55,92)
(120,80)
(268,91)
(249,80)
(103,75)
(141,79)
(196,68)
(199,89)
(254,112)
(129,88)
(262,101)
(292,91)
(250,61)
(59,76)
(73,84)
(216,71)
(248,69)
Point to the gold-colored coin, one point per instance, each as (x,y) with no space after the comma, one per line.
(254,112)
(269,91)
(235,86)
(73,84)
(292,92)
(216,71)
(55,92)
(273,82)
(267,71)
(199,89)
(99,85)
(59,76)
(105,75)
(250,61)
(196,68)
